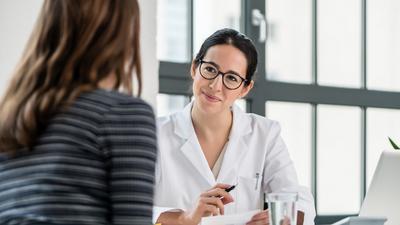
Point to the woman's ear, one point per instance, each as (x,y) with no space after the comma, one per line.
(246,89)
(193,69)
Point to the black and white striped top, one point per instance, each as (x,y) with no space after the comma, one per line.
(94,164)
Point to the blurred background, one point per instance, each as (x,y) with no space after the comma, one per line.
(329,72)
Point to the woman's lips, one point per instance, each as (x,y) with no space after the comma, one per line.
(211,97)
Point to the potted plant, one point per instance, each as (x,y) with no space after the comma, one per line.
(396,147)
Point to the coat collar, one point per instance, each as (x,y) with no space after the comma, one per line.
(183,125)
(237,146)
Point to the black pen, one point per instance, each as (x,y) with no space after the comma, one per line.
(227,190)
(230,188)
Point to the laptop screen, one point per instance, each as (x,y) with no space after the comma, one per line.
(383,195)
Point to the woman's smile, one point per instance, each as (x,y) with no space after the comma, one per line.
(210,97)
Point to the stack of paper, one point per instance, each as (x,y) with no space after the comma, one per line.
(241,218)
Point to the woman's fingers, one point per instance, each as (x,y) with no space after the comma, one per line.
(216,202)
(207,206)
(261,218)
(209,203)
(285,221)
(258,223)
(212,202)
(219,185)
(226,198)
(219,193)
(212,210)
(261,215)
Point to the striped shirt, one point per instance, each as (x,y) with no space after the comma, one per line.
(94,164)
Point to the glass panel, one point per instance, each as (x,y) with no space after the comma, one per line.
(339,43)
(295,121)
(383,46)
(338,159)
(381,124)
(172,30)
(208,17)
(167,104)
(288,48)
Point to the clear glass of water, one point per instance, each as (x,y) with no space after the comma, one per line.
(282,208)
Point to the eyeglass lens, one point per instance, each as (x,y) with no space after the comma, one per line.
(230,80)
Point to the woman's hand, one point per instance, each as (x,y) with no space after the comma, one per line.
(209,203)
(261,218)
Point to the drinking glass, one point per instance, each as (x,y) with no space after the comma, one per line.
(282,208)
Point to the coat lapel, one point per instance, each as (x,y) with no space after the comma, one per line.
(237,146)
(191,147)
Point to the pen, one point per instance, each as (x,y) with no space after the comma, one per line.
(230,188)
(257,176)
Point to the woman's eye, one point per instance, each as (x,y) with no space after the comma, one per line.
(232,78)
(211,69)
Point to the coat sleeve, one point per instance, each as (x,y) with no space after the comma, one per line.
(280,174)
(158,210)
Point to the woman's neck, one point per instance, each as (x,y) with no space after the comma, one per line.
(108,82)
(212,126)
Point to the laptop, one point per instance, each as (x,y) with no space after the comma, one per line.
(383,195)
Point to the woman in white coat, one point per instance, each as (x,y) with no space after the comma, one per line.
(212,144)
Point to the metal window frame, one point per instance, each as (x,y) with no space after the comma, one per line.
(174,79)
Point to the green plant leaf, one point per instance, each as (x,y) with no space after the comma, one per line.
(393,144)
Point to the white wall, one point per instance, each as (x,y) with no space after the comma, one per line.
(17,18)
(150,62)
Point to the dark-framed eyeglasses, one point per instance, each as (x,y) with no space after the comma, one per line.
(230,80)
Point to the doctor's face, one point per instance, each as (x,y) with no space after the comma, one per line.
(218,95)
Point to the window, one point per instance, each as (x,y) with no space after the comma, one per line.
(167,104)
(289,40)
(327,72)
(295,117)
(338,153)
(208,17)
(383,47)
(173,38)
(338,43)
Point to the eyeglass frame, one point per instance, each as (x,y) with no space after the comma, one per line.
(223,74)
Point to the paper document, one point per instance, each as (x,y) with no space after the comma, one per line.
(239,218)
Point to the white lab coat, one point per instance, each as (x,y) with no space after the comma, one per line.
(256,159)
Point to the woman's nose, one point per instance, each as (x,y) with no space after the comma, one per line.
(216,83)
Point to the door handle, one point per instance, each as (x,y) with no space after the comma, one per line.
(258,19)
